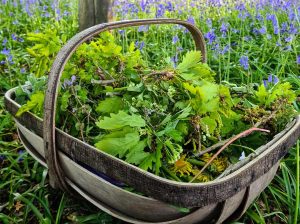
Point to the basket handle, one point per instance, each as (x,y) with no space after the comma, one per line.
(56,176)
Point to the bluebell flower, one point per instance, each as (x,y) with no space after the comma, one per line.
(209,23)
(284,27)
(272,80)
(240,7)
(175,39)
(22,70)
(225,50)
(179,49)
(68,82)
(244,62)
(298,60)
(122,32)
(292,16)
(174,60)
(287,48)
(224,29)
(136,44)
(259,17)
(143,5)
(160,11)
(5,52)
(210,36)
(20,159)
(14,37)
(143,28)
(4,42)
(142,44)
(255,31)
(169,7)
(289,39)
(262,30)
(191,20)
(16,22)
(293,29)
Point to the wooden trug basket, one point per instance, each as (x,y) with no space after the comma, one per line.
(70,160)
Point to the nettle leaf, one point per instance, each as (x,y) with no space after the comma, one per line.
(120,120)
(190,60)
(35,104)
(118,145)
(110,105)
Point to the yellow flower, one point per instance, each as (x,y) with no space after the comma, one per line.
(203,177)
(182,166)
(218,165)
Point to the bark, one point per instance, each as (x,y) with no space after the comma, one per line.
(93,12)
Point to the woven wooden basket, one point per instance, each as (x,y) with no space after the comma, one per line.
(76,166)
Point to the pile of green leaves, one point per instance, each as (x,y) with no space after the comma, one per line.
(158,119)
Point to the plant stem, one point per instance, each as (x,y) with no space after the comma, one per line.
(240,135)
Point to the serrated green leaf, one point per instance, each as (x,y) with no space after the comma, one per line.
(190,60)
(110,105)
(147,163)
(120,120)
(35,104)
(137,153)
(208,124)
(118,145)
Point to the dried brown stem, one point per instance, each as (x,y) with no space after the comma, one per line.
(240,135)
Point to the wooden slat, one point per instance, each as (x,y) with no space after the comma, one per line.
(183,194)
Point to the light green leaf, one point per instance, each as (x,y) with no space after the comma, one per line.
(208,124)
(110,105)
(64,100)
(190,60)
(120,120)
(137,153)
(147,163)
(118,145)
(35,104)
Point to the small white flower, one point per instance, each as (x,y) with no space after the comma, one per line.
(242,157)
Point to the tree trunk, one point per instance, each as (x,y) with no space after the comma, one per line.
(92,12)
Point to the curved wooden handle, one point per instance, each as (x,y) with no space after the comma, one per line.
(56,176)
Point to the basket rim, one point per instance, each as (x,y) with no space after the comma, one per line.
(217,184)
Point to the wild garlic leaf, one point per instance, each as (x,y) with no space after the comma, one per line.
(118,145)
(110,105)
(190,60)
(120,120)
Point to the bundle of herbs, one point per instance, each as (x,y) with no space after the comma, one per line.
(177,123)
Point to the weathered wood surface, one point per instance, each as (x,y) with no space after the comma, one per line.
(185,194)
(135,208)
(92,12)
